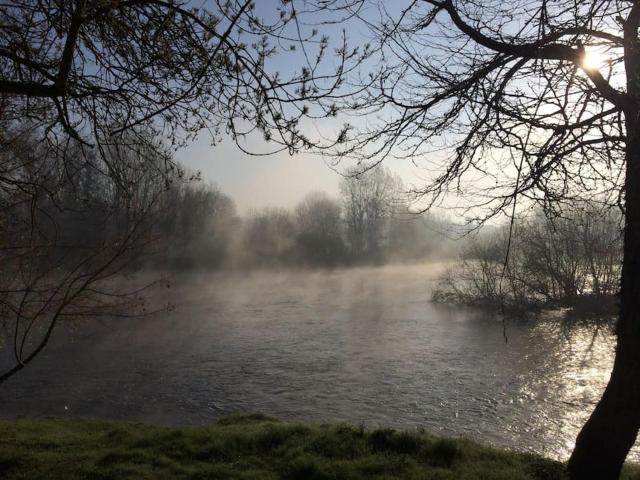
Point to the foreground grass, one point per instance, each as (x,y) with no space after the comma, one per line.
(251,447)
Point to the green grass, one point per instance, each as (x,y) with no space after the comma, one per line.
(251,447)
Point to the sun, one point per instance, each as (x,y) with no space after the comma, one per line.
(593,60)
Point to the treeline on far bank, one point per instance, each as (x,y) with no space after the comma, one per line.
(159,215)
(369,223)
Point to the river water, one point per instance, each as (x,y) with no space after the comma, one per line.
(363,346)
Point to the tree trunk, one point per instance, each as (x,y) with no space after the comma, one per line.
(610,432)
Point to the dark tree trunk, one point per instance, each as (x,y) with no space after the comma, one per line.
(610,432)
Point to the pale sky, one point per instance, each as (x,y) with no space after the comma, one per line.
(278,180)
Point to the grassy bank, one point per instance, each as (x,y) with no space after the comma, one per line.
(253,447)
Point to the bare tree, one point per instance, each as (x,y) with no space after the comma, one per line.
(370,198)
(195,223)
(572,261)
(269,237)
(508,102)
(64,238)
(96,84)
(91,70)
(319,232)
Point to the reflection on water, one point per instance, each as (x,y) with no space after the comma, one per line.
(363,346)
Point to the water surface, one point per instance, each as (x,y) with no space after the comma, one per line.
(361,346)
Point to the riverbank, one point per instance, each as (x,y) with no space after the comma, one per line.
(251,448)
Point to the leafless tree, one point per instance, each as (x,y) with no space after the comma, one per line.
(195,223)
(319,230)
(63,240)
(370,199)
(91,70)
(94,85)
(269,238)
(572,261)
(504,101)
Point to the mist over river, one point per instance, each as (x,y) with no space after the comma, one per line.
(364,346)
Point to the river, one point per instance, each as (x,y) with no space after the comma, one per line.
(363,346)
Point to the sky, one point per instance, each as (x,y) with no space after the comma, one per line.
(278,180)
